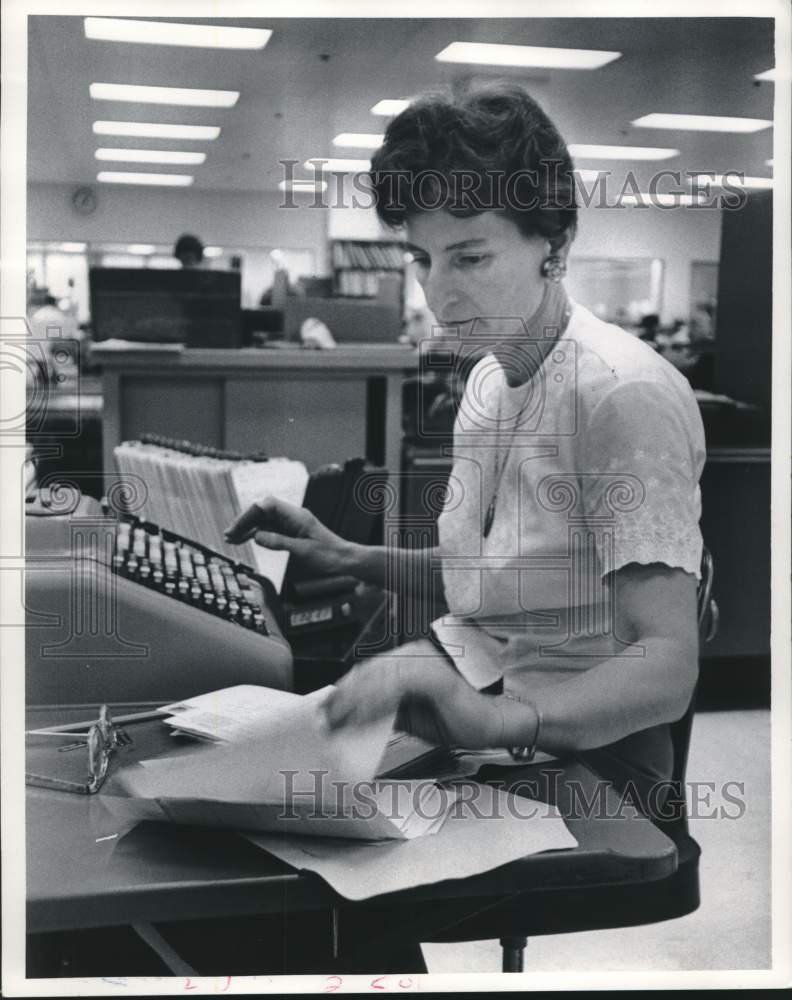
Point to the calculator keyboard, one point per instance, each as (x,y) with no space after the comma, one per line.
(187,572)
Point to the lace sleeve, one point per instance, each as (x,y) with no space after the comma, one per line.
(642,458)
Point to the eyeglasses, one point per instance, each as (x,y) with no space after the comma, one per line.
(101,739)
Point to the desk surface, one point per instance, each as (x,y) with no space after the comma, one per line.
(371,358)
(80,875)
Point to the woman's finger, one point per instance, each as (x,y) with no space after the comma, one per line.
(272,540)
(246,525)
(267,514)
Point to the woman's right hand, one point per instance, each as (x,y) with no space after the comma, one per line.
(277,524)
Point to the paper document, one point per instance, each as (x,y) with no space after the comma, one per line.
(484,828)
(253,481)
(117,344)
(279,766)
(234,713)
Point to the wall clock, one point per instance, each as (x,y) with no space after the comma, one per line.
(84,201)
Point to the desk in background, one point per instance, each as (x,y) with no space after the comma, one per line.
(313,406)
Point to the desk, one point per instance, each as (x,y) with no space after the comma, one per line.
(313,406)
(159,873)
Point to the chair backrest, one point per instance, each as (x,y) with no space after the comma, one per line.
(707,611)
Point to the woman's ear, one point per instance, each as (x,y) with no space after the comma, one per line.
(560,244)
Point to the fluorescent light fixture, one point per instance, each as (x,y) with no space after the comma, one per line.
(168,180)
(702,123)
(666,200)
(390,106)
(213,251)
(311,186)
(586,152)
(153,130)
(734,181)
(164,95)
(336,165)
(72,247)
(359,140)
(203,36)
(769,74)
(141,248)
(149,156)
(588,175)
(524,55)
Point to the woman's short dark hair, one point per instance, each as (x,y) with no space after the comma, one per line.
(489,149)
(187,244)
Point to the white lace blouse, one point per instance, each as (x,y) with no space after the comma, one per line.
(596,463)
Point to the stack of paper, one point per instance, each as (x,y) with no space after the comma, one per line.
(234,713)
(278,766)
(199,496)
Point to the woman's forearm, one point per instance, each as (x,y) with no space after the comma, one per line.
(609,701)
(413,572)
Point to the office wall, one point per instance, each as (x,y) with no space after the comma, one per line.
(159,215)
(679,236)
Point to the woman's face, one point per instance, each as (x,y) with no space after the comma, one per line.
(480,273)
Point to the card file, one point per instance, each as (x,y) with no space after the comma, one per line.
(198,493)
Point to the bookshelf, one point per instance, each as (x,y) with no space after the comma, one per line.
(358,266)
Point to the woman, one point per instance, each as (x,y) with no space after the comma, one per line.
(569,542)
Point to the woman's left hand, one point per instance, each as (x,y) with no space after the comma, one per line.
(433,701)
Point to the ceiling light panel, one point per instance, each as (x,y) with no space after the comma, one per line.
(390,106)
(525,55)
(735,180)
(178,156)
(166,180)
(154,130)
(662,200)
(164,95)
(204,36)
(594,152)
(337,165)
(702,123)
(359,140)
(311,186)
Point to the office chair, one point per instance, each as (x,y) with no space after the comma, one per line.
(544,911)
